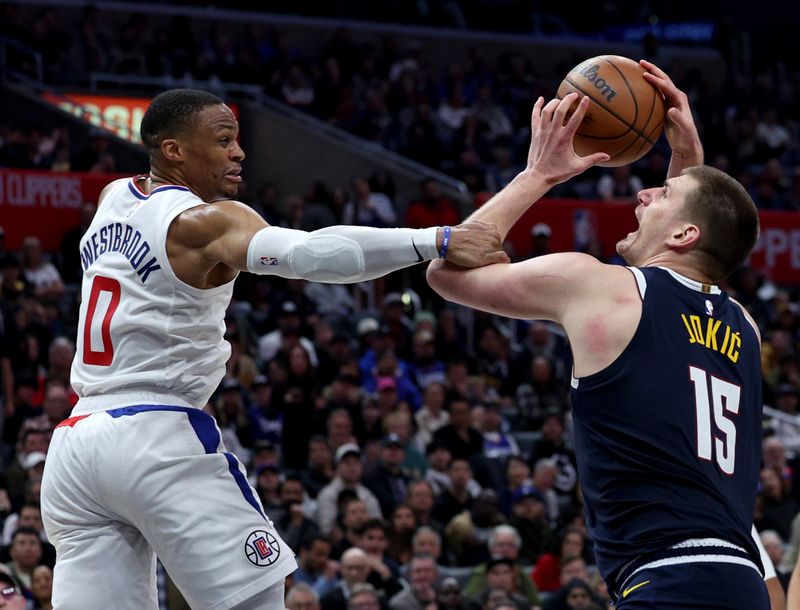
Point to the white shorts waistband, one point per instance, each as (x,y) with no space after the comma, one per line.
(104,402)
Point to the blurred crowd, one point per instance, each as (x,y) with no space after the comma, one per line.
(469,119)
(413,451)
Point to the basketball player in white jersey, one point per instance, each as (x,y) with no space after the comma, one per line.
(139,469)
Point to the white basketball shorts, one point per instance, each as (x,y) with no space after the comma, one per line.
(124,485)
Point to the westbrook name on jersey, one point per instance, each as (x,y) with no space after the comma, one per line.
(142,329)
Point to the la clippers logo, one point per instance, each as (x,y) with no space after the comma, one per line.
(269,260)
(262,548)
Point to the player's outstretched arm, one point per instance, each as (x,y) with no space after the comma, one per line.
(551,160)
(687,150)
(230,233)
(543,288)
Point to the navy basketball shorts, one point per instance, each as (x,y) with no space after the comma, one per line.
(713,581)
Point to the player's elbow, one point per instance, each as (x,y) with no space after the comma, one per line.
(440,277)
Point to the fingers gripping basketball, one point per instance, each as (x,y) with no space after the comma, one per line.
(626,113)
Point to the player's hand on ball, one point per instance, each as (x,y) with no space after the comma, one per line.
(551,154)
(680,128)
(474,244)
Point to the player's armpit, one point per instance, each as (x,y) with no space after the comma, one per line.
(538,288)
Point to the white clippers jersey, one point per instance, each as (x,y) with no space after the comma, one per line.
(142,329)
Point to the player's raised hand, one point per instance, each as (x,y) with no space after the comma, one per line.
(474,244)
(551,153)
(680,127)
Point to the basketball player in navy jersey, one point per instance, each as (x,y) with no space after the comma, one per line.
(666,394)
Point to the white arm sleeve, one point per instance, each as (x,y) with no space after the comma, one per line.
(340,254)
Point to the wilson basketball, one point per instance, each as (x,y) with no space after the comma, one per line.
(626,115)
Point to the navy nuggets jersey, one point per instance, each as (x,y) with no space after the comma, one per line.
(668,437)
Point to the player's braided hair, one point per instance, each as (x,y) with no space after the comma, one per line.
(172,112)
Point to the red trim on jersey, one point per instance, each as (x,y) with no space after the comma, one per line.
(71,421)
(135,182)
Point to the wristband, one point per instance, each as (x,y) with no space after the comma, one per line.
(445,242)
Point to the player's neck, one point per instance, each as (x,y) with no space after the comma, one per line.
(680,267)
(158,177)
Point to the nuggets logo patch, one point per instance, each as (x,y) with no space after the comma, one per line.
(262,548)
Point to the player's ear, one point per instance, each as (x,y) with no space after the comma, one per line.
(684,237)
(171,150)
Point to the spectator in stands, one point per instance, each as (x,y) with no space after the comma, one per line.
(428,368)
(59,363)
(29,516)
(432,415)
(42,588)
(517,474)
(388,482)
(302,597)
(468,532)
(340,428)
(291,519)
(431,209)
(316,568)
(544,479)
(498,444)
(619,184)
(43,277)
(402,526)
(500,578)
(288,322)
(31,441)
(384,572)
(368,209)
(355,569)
(504,542)
(422,576)
(455,498)
(350,517)
(364,597)
(777,507)
(320,470)
(71,270)
(56,407)
(348,476)
(552,444)
(773,545)
(530,520)
(460,438)
(547,571)
(449,595)
(399,423)
(787,400)
(575,595)
(540,240)
(421,499)
(14,598)
(25,553)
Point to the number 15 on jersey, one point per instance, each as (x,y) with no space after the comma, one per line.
(715,397)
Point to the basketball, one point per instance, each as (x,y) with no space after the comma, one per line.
(626,115)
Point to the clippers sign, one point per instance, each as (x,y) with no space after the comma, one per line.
(122,116)
(45,204)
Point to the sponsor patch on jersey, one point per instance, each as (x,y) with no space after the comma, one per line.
(269,261)
(262,548)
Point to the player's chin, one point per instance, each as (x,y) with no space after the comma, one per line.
(230,190)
